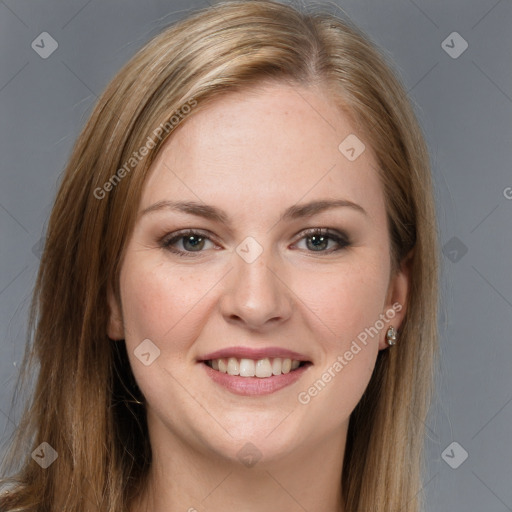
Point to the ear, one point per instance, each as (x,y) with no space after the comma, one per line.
(396,300)
(115,328)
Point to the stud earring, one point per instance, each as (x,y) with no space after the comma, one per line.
(391,336)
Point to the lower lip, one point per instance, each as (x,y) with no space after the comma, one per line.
(252,386)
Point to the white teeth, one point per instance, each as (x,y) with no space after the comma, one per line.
(276,366)
(233,368)
(223,367)
(287,366)
(261,368)
(247,368)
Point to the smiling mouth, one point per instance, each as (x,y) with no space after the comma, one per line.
(262,368)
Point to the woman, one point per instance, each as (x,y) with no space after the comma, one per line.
(236,305)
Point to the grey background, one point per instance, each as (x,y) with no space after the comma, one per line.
(465,107)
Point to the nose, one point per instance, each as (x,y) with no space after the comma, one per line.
(256,295)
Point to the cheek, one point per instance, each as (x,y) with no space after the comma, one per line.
(167,306)
(161,302)
(346,307)
(347,301)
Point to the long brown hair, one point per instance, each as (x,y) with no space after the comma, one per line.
(85,403)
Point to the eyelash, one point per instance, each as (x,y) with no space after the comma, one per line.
(339,237)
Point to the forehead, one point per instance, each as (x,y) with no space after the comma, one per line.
(266,147)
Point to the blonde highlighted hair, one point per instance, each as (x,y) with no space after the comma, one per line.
(85,401)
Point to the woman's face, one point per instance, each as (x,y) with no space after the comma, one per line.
(253,286)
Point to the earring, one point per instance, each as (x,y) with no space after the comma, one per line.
(391,336)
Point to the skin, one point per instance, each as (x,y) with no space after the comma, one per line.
(253,154)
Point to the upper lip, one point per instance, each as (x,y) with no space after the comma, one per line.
(254,353)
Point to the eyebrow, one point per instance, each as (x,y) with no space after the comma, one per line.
(296,211)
